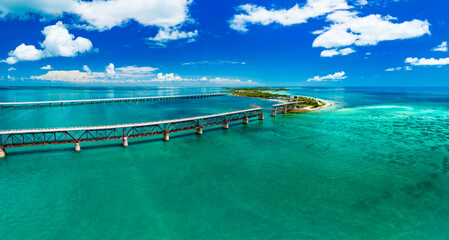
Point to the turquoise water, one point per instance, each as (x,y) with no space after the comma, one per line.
(376,166)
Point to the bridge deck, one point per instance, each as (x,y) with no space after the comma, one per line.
(31,137)
(105,100)
(173,121)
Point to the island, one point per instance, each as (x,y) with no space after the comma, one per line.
(305,104)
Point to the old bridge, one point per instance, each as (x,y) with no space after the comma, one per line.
(77,135)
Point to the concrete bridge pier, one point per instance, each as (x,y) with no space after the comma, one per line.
(225,125)
(77,147)
(261,117)
(245,120)
(273,114)
(2,153)
(125,142)
(199,130)
(284,110)
(165,137)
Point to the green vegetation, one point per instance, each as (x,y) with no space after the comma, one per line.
(308,102)
(263,93)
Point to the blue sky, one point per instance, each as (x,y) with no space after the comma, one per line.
(224,43)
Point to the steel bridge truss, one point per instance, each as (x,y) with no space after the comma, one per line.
(22,138)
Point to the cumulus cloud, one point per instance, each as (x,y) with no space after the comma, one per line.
(331,77)
(252,14)
(169,34)
(171,77)
(47,67)
(441,48)
(74,76)
(110,70)
(24,53)
(336,52)
(11,69)
(427,61)
(58,42)
(133,75)
(104,15)
(134,72)
(168,15)
(349,29)
(346,28)
(109,75)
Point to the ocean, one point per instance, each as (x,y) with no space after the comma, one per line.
(373,166)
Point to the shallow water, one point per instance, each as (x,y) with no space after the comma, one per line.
(375,166)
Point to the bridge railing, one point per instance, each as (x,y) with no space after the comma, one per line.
(31,137)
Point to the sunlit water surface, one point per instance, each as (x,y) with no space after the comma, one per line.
(375,166)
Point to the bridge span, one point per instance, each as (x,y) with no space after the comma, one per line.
(106,100)
(284,107)
(77,135)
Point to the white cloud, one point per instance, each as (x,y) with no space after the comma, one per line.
(24,53)
(253,14)
(441,48)
(133,75)
(335,52)
(136,70)
(110,75)
(103,15)
(427,61)
(110,70)
(47,67)
(11,69)
(331,77)
(170,34)
(216,62)
(391,69)
(87,69)
(349,29)
(171,77)
(58,42)
(407,68)
(74,76)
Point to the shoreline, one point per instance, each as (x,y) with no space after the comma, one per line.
(309,109)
